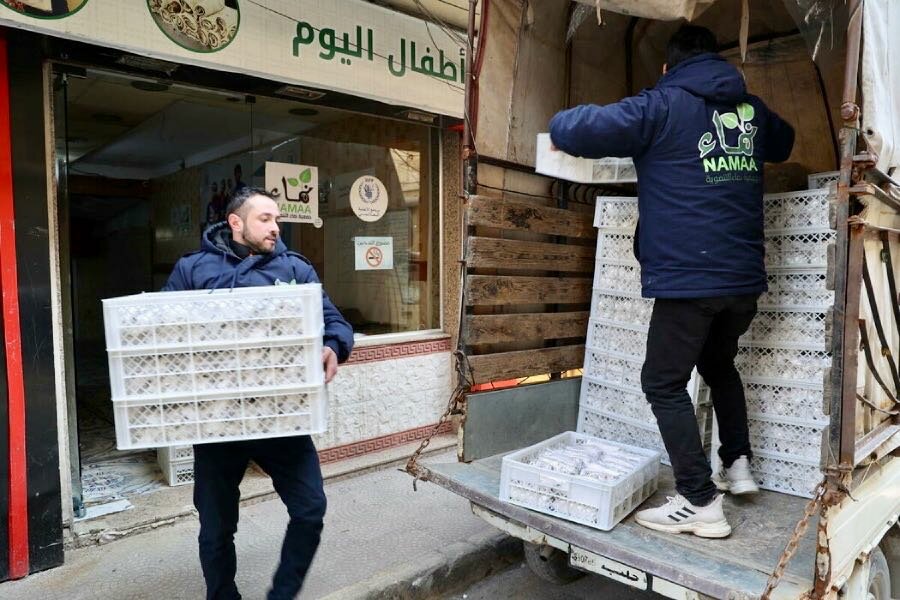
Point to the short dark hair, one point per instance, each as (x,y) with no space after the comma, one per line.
(238,199)
(689,41)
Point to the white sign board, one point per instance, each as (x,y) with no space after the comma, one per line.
(348,46)
(296,189)
(374,253)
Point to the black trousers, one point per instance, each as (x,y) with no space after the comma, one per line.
(704,332)
(293,465)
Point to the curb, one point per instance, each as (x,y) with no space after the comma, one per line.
(439,573)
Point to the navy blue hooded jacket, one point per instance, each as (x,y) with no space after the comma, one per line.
(698,141)
(216,265)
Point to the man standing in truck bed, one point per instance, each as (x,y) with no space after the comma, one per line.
(698,141)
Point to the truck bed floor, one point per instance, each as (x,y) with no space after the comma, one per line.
(736,567)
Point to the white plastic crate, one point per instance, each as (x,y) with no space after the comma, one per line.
(621,309)
(778,474)
(616,246)
(217,418)
(610,336)
(792,211)
(198,366)
(644,434)
(581,170)
(178,472)
(794,401)
(797,290)
(139,374)
(823,180)
(783,364)
(804,250)
(176,464)
(615,401)
(613,368)
(791,439)
(785,328)
(199,318)
(175,453)
(617,278)
(578,498)
(792,475)
(613,212)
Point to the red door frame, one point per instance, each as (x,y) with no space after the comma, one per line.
(9,290)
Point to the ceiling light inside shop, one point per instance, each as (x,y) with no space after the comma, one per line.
(292,91)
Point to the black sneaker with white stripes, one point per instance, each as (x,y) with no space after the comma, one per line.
(680,516)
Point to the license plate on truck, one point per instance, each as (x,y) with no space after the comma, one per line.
(588,561)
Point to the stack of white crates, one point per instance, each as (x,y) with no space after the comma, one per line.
(612,405)
(785,356)
(176,464)
(200,366)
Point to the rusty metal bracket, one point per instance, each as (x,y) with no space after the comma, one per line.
(875,407)
(870,189)
(849,111)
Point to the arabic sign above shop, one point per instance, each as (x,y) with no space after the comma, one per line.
(330,46)
(348,46)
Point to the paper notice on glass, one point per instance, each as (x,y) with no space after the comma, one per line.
(374,253)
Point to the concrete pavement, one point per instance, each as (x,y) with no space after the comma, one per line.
(381,540)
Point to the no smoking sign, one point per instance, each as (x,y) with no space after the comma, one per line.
(374,257)
(374,253)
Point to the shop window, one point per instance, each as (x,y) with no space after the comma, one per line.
(187,149)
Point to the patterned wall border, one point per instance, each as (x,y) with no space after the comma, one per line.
(369,354)
(380,443)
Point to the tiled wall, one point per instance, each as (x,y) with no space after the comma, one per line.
(392,394)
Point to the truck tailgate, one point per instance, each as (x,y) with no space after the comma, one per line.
(735,567)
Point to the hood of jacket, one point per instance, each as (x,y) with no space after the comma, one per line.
(707,76)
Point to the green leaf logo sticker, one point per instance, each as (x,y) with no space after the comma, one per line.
(293,182)
(729,120)
(741,120)
(306,176)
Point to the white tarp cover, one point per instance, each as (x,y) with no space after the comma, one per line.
(665,10)
(881,81)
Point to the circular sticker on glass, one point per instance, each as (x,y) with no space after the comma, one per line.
(45,9)
(198,25)
(368,198)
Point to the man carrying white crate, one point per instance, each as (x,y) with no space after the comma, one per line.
(699,142)
(246,251)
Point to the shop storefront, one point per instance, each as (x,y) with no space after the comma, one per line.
(128,125)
